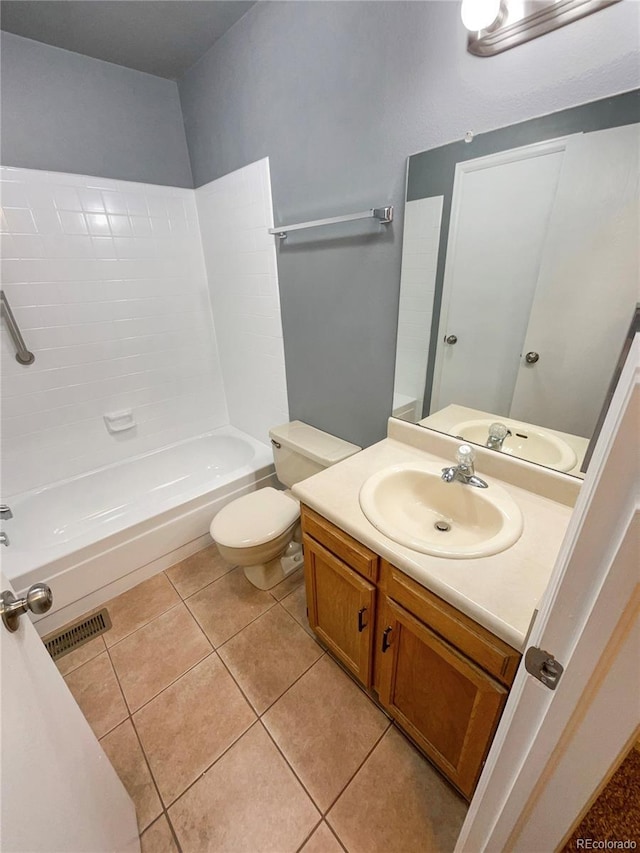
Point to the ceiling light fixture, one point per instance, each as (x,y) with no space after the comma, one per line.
(496,26)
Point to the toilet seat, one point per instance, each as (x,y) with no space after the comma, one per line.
(255,519)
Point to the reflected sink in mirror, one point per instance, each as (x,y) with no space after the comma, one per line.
(411,504)
(525,442)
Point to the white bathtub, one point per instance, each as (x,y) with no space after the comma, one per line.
(98,534)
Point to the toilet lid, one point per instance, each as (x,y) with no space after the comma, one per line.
(255,518)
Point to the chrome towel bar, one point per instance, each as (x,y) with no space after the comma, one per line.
(384,215)
(23,356)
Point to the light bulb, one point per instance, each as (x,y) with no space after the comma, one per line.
(479,14)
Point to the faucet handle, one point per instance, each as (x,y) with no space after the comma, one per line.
(499,431)
(465,455)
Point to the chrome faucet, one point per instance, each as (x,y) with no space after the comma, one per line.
(5,511)
(497,434)
(464,471)
(4,539)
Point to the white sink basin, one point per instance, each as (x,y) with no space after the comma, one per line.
(526,442)
(410,503)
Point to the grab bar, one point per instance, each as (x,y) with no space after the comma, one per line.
(23,356)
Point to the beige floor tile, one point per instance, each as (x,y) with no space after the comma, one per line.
(296,605)
(197,571)
(224,607)
(397,803)
(125,753)
(325,726)
(290,584)
(139,605)
(322,841)
(158,838)
(95,688)
(249,801)
(82,654)
(149,660)
(268,655)
(190,724)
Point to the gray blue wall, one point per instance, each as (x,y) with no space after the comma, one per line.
(69,113)
(338,95)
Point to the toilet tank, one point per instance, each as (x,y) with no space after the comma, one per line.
(300,450)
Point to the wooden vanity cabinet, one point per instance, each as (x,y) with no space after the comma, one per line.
(340,601)
(441,676)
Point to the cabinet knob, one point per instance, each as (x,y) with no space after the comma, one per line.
(385,638)
(361,625)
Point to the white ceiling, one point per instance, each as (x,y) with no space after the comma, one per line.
(161,37)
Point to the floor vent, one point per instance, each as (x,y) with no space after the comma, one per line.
(66,641)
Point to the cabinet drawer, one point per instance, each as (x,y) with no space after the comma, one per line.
(352,552)
(488,651)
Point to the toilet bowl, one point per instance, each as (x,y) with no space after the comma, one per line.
(261,531)
(257,532)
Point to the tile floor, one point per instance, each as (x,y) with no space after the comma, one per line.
(233,730)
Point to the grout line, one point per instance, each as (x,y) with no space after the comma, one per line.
(290,766)
(335,835)
(144,624)
(358,769)
(317,826)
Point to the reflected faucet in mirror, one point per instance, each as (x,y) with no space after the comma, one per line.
(519,277)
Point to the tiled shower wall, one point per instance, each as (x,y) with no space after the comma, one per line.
(108,284)
(235,213)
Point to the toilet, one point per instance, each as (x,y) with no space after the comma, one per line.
(261,531)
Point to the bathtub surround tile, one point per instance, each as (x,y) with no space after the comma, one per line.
(126,756)
(290,584)
(417,812)
(71,233)
(197,571)
(157,654)
(296,604)
(138,606)
(190,724)
(267,656)
(82,654)
(248,801)
(158,838)
(96,690)
(235,212)
(227,605)
(325,727)
(322,841)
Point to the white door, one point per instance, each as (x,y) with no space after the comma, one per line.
(554,748)
(60,794)
(588,286)
(500,213)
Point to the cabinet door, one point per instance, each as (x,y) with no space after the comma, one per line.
(449,706)
(341,608)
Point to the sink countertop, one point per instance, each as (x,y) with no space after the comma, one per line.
(500,591)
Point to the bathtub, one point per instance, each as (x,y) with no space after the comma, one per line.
(98,534)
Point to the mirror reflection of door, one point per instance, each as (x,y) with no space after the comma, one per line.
(500,215)
(542,260)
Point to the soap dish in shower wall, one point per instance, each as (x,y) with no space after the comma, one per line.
(119,421)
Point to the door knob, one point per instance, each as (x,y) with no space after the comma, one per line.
(531,357)
(451,339)
(38,599)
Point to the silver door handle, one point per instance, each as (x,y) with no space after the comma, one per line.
(38,599)
(531,357)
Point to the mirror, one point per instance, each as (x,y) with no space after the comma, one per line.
(519,280)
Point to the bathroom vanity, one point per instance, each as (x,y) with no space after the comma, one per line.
(438,640)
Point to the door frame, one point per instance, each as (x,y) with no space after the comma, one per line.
(587,619)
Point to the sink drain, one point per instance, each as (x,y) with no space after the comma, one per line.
(442,526)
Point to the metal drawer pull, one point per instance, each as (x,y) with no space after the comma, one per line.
(361,625)
(385,638)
